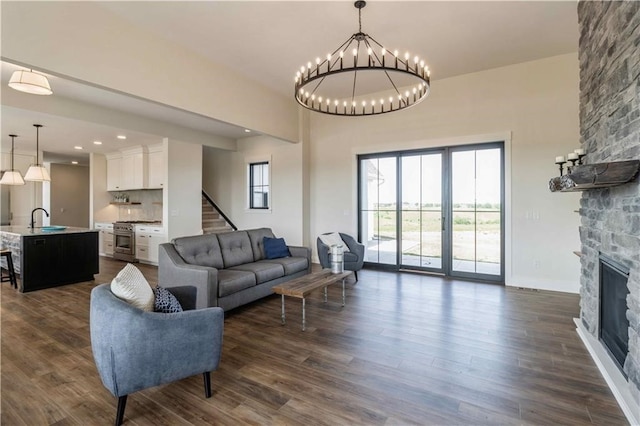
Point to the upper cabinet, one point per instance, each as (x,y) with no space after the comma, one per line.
(135,168)
(114,169)
(156,167)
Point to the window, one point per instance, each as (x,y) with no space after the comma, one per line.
(259,185)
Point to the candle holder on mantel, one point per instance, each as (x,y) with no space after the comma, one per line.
(580,157)
(561,164)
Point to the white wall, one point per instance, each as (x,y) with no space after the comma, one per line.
(105,50)
(182,211)
(23,198)
(99,208)
(226,181)
(536,103)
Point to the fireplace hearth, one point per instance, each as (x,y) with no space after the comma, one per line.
(613,324)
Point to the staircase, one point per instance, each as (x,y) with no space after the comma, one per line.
(212,221)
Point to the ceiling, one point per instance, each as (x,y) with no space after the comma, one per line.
(267,41)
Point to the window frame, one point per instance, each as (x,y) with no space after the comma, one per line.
(251,164)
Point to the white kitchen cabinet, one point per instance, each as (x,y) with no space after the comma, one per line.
(127,169)
(105,238)
(114,170)
(156,167)
(147,240)
(134,168)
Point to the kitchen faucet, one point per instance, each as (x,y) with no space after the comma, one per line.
(33,222)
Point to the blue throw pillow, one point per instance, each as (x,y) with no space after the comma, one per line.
(166,302)
(275,248)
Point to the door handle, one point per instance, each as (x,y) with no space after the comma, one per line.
(443,223)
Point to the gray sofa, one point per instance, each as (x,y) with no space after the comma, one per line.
(228,269)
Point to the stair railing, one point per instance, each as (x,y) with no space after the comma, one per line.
(220,212)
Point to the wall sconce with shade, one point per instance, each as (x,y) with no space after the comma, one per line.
(12,177)
(37,172)
(30,82)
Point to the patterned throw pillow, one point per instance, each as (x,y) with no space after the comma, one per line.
(166,302)
(131,286)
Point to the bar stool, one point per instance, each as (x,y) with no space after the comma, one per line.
(11,277)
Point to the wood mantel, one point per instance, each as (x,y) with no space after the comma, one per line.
(594,176)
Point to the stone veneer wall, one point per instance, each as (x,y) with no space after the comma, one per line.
(609,54)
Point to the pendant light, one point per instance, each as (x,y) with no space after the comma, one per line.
(29,81)
(37,172)
(12,177)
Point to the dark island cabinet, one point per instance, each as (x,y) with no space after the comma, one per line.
(58,259)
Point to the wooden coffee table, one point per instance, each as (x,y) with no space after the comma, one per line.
(301,287)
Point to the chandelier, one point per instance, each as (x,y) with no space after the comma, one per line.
(362,77)
(37,172)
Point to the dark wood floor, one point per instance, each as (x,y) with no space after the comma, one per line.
(406,349)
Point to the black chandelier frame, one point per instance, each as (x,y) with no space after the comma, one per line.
(380,61)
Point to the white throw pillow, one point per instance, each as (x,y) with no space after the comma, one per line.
(131,286)
(334,239)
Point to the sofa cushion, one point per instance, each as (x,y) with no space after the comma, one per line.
(263,271)
(236,248)
(275,248)
(291,265)
(132,287)
(257,240)
(332,239)
(166,302)
(232,281)
(200,250)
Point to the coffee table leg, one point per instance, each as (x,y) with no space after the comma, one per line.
(303,314)
(343,292)
(282,315)
(325,294)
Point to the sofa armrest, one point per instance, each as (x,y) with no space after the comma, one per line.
(323,254)
(186,295)
(173,271)
(299,251)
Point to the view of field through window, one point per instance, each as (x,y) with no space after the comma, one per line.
(410,212)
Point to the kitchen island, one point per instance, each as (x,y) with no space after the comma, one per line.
(51,256)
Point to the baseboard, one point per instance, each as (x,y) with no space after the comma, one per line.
(540,284)
(615,380)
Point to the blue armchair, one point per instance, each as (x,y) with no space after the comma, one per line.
(353,259)
(135,350)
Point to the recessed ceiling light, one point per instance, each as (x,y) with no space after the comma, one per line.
(74,162)
(77,147)
(121,137)
(247,131)
(97,143)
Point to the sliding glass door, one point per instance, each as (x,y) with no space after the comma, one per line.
(421,211)
(438,210)
(476,213)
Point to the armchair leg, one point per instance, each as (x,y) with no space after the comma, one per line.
(122,403)
(356,275)
(207,384)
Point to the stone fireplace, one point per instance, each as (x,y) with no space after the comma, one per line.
(609,54)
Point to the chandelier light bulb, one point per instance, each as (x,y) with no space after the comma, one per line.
(313,97)
(383,51)
(317,61)
(406,56)
(416,59)
(354,51)
(369,51)
(342,53)
(320,99)
(335,102)
(395,53)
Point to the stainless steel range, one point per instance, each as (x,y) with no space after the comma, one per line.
(124,244)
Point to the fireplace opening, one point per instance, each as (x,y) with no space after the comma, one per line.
(614,325)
